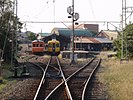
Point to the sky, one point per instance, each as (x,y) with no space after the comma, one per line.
(49,11)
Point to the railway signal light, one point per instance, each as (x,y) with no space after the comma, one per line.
(75,17)
(70,10)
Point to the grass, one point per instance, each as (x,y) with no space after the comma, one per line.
(5,71)
(5,76)
(3,84)
(118,79)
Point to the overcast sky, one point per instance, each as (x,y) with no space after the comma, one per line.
(89,10)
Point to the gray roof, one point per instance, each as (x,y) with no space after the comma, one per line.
(103,40)
(45,34)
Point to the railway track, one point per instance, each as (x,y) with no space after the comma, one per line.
(77,83)
(56,84)
(51,78)
(51,75)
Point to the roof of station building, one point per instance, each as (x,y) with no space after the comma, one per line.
(92,40)
(103,40)
(77,32)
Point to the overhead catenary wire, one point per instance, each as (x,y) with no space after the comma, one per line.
(84,21)
(54,11)
(68,22)
(42,10)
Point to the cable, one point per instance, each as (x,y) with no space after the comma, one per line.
(84,21)
(54,11)
(41,10)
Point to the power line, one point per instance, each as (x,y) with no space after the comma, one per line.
(69,21)
(125,11)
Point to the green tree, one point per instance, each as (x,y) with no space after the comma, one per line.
(117,47)
(127,42)
(5,19)
(129,35)
(8,23)
(31,36)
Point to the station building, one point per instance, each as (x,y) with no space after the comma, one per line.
(110,34)
(84,39)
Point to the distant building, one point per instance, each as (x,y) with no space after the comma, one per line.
(110,34)
(64,35)
(84,39)
(22,37)
(43,35)
(92,43)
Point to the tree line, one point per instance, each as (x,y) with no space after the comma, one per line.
(127,42)
(9,26)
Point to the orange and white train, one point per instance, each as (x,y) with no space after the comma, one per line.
(38,47)
(51,48)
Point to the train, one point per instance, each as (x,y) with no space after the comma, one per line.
(52,47)
(38,47)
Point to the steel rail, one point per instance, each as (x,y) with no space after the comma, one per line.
(42,79)
(64,80)
(43,64)
(35,57)
(79,69)
(52,92)
(89,78)
(53,67)
(67,88)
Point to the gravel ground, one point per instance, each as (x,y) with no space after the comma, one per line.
(18,90)
(22,88)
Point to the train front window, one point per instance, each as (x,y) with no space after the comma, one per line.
(50,45)
(57,45)
(34,45)
(40,45)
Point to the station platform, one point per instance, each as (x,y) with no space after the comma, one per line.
(79,54)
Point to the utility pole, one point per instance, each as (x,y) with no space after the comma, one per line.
(122,39)
(14,39)
(75,17)
(125,10)
(14,34)
(16,28)
(16,25)
(72,61)
(54,11)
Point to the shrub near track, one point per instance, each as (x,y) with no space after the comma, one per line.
(5,76)
(119,79)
